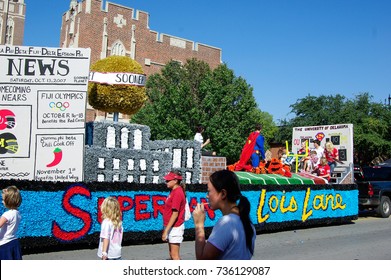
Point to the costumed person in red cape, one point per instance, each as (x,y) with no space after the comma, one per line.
(253,149)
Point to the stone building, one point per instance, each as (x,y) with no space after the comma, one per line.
(12,17)
(111,29)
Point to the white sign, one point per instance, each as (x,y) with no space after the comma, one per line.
(130,79)
(341,135)
(43,94)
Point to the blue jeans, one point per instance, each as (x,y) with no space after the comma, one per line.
(332,165)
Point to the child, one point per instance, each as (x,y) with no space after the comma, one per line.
(311,164)
(281,155)
(9,223)
(111,230)
(174,214)
(305,154)
(304,149)
(324,169)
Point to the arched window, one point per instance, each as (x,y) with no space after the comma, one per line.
(9,32)
(118,49)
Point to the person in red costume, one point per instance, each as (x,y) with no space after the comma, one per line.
(253,150)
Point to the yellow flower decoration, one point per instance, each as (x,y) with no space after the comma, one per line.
(125,99)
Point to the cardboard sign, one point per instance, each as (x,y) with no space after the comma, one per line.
(43,94)
(341,135)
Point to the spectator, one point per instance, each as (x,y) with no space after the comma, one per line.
(174,213)
(233,236)
(111,232)
(9,222)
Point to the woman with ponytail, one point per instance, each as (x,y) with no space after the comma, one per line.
(174,213)
(233,236)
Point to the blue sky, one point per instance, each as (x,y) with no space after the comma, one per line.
(285,49)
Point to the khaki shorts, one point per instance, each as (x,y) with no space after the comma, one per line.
(176,234)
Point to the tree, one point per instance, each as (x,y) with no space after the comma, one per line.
(371,121)
(182,97)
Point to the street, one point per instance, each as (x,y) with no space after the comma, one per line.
(368,238)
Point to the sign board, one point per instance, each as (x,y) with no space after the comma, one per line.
(341,135)
(43,94)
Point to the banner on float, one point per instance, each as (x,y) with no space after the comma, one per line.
(72,212)
(43,94)
(341,135)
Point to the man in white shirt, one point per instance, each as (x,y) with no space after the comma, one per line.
(319,150)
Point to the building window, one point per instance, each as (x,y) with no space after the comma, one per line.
(1,28)
(9,32)
(118,49)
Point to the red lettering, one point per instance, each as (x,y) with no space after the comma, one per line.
(140,207)
(192,204)
(209,211)
(100,201)
(75,211)
(158,202)
(125,202)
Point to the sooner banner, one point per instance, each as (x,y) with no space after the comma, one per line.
(131,79)
(43,93)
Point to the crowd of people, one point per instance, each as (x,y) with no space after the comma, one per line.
(321,161)
(233,236)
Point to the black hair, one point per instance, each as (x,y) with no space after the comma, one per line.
(258,126)
(225,179)
(200,128)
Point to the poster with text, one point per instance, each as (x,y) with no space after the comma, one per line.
(341,135)
(43,95)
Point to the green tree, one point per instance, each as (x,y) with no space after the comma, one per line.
(371,121)
(184,96)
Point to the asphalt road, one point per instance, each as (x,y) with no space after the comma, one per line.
(368,238)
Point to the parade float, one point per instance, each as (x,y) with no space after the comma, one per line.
(65,167)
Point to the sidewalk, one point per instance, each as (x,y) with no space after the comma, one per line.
(134,252)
